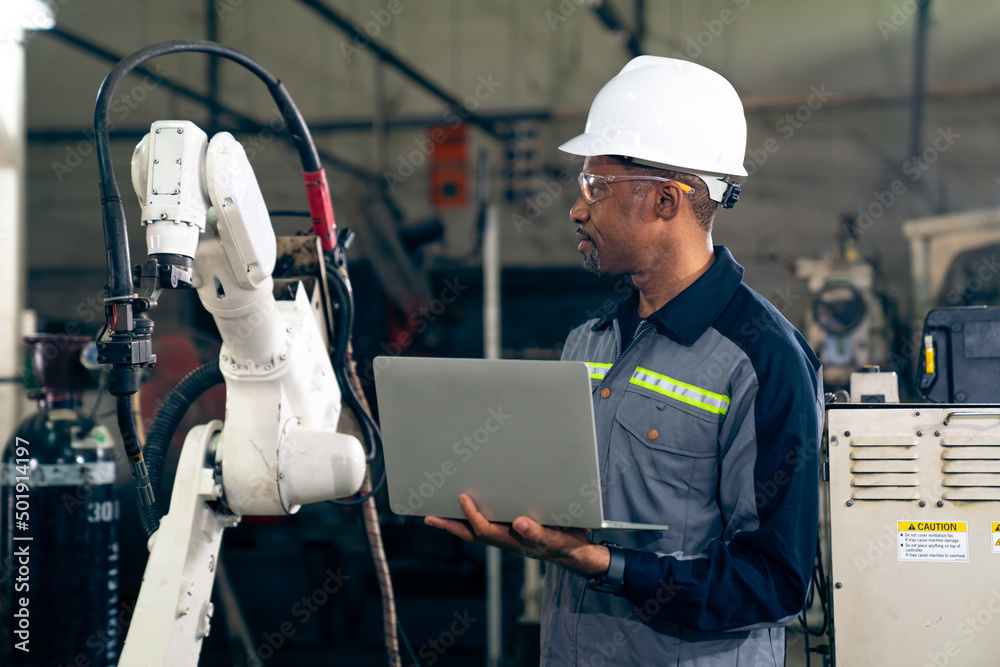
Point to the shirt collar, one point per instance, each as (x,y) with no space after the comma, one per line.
(687,316)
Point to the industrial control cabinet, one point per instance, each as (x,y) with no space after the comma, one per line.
(914,534)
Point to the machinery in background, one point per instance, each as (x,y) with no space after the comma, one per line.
(938,245)
(872,385)
(911,528)
(846,324)
(59,522)
(960,355)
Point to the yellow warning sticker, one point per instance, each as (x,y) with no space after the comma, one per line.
(996,527)
(934,527)
(934,541)
(995,536)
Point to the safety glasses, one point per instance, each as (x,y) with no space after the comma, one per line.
(598,186)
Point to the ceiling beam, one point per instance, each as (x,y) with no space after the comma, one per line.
(609,17)
(87,46)
(387,56)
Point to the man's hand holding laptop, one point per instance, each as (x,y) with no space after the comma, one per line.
(569,547)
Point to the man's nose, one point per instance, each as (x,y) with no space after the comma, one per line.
(580,212)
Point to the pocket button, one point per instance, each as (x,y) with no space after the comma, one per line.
(653,434)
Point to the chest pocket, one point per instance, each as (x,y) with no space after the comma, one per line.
(664,436)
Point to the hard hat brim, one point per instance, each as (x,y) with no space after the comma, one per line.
(589,145)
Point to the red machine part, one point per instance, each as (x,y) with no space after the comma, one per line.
(321,208)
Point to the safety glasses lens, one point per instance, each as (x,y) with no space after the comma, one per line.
(592,188)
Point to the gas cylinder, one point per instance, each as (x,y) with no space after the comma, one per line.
(59,599)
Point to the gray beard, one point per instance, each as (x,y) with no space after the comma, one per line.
(592,263)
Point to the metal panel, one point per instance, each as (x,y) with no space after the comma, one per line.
(892,612)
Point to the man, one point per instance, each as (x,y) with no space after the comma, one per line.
(707,403)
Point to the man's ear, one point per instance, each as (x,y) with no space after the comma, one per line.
(668,200)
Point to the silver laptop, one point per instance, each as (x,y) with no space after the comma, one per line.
(517,436)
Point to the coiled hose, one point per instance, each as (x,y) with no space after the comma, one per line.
(169,417)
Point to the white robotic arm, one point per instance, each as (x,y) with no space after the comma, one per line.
(279,447)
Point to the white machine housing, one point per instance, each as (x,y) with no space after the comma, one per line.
(914,534)
(279,447)
(168,175)
(874,386)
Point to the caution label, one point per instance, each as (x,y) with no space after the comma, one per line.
(995,539)
(938,541)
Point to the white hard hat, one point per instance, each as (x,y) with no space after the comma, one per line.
(672,114)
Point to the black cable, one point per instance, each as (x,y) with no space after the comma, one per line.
(823,585)
(338,358)
(360,500)
(345,299)
(168,418)
(289,214)
(133,450)
(817,587)
(406,642)
(115,233)
(808,653)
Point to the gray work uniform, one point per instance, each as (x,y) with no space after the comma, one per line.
(709,422)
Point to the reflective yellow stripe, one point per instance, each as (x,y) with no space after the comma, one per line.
(597,371)
(680,391)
